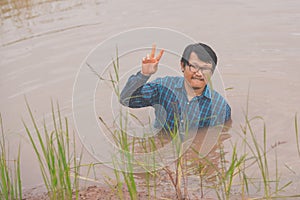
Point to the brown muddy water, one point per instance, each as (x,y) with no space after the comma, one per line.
(43,44)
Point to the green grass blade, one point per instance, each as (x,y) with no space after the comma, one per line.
(42,168)
(297,134)
(18,172)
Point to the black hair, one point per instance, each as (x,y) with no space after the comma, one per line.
(203,51)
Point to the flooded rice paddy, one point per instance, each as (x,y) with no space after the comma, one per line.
(43,44)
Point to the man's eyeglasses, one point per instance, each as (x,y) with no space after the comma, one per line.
(203,70)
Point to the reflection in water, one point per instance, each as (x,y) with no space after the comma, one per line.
(206,166)
(198,171)
(202,164)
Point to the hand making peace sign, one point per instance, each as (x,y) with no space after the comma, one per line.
(150,63)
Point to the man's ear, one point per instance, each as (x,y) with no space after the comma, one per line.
(182,66)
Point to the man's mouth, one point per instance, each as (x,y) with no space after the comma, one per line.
(197,78)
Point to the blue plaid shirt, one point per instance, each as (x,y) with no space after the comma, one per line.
(172,107)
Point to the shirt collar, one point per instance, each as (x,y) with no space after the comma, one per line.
(206,91)
(180,83)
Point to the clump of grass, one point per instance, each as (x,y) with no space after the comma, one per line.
(59,165)
(253,155)
(10,178)
(178,176)
(123,165)
(124,143)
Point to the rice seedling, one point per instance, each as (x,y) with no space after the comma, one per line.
(177,176)
(59,164)
(253,156)
(10,174)
(120,137)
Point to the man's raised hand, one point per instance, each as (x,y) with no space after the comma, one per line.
(150,63)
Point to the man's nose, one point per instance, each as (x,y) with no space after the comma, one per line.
(199,72)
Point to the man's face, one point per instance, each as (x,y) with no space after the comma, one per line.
(193,77)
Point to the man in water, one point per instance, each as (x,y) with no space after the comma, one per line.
(185,101)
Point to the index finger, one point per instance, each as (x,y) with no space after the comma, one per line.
(160,55)
(153,51)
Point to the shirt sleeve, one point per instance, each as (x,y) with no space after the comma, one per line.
(137,93)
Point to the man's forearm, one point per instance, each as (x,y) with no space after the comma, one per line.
(134,82)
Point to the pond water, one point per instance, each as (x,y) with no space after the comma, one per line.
(43,44)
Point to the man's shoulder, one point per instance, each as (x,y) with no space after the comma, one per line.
(168,80)
(217,96)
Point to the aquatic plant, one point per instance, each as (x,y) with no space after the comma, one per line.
(10,171)
(58,160)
